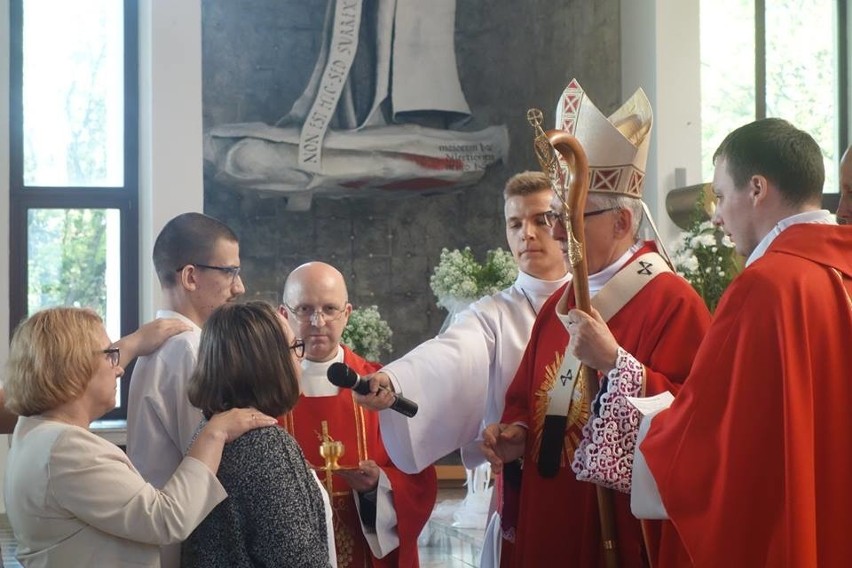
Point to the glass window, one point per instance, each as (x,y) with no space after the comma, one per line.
(800,57)
(73,260)
(801,73)
(727,72)
(73,93)
(73,161)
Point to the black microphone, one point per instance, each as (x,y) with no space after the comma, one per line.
(341,375)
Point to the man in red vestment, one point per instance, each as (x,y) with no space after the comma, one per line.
(752,460)
(653,314)
(378,510)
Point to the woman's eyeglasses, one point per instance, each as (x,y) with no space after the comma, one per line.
(113,355)
(298,347)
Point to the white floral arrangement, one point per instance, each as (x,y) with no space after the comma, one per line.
(460,279)
(705,256)
(367,334)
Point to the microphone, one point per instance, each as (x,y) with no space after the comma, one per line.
(341,375)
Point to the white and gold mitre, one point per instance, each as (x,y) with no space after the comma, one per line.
(616,147)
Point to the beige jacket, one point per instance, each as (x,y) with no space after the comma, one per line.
(74,499)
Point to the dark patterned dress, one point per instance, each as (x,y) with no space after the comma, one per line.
(274,513)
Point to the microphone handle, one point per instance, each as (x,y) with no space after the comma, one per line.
(404,406)
(400,404)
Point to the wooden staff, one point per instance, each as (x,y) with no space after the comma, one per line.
(573,192)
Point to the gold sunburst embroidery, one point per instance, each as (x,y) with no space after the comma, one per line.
(578,412)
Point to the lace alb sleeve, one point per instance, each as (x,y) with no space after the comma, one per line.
(605,453)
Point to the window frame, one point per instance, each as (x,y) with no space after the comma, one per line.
(125,199)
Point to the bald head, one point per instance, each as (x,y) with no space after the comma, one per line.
(312,275)
(317,306)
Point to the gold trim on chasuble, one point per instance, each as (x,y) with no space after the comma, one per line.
(361,437)
(578,413)
(341,501)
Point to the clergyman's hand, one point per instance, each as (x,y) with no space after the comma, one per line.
(363,479)
(503,443)
(381,392)
(591,340)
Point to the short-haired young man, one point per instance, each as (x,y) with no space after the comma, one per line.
(752,459)
(197,259)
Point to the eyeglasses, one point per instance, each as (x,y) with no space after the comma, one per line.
(599,211)
(298,347)
(113,355)
(306,314)
(234,271)
(551,217)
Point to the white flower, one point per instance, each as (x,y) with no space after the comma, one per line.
(689,264)
(366,333)
(727,242)
(703,240)
(458,276)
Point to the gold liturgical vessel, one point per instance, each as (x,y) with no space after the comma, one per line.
(331,451)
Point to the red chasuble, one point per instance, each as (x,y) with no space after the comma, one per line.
(358,429)
(558,522)
(754,458)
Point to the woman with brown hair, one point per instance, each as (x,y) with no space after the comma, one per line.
(274,514)
(72,498)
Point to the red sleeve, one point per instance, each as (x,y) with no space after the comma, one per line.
(414,495)
(414,498)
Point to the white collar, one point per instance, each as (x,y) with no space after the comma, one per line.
(599,279)
(822,217)
(177,315)
(535,285)
(314,380)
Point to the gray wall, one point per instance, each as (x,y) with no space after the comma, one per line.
(257,56)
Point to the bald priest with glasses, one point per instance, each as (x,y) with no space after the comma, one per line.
(379,511)
(197,260)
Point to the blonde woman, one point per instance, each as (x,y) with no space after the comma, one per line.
(72,498)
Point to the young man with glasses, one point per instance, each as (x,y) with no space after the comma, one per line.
(653,314)
(197,260)
(379,510)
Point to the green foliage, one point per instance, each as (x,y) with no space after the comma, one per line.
(367,334)
(459,276)
(67,258)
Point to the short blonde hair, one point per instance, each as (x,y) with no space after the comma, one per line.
(526,183)
(52,358)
